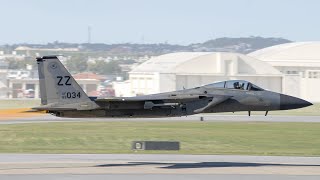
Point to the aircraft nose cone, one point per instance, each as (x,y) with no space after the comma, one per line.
(289,102)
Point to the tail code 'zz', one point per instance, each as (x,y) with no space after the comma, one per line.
(56,83)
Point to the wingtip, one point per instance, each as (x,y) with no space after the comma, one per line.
(48,57)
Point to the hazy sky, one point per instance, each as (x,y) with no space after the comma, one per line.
(151,21)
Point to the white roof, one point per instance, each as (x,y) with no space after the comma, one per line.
(167,62)
(299,51)
(204,63)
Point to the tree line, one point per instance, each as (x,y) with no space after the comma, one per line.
(75,64)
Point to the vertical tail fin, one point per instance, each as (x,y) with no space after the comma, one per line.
(57,86)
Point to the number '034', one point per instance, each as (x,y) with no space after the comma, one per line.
(72,95)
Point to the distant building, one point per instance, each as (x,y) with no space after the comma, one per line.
(122,88)
(26,49)
(89,82)
(3,79)
(89,75)
(13,56)
(24,88)
(300,64)
(22,74)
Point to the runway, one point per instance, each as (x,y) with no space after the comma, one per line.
(147,166)
(206,117)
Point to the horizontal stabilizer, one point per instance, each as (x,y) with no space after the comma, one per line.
(33,111)
(44,108)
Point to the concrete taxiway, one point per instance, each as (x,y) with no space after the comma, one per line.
(206,117)
(146,166)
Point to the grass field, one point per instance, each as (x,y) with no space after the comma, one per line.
(254,138)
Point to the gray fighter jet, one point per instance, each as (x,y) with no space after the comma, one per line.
(62,96)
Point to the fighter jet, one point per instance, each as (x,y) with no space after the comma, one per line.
(62,96)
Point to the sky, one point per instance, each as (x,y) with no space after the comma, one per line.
(150,21)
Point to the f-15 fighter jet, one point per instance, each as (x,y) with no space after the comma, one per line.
(62,96)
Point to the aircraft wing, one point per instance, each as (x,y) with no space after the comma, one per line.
(171,97)
(150,101)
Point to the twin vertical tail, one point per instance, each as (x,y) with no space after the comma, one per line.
(58,89)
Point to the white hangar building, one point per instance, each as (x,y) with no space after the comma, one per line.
(300,64)
(176,71)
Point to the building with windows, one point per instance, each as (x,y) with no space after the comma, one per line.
(300,64)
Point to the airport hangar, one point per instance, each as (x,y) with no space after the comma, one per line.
(300,64)
(181,70)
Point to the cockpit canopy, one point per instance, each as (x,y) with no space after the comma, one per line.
(236,84)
